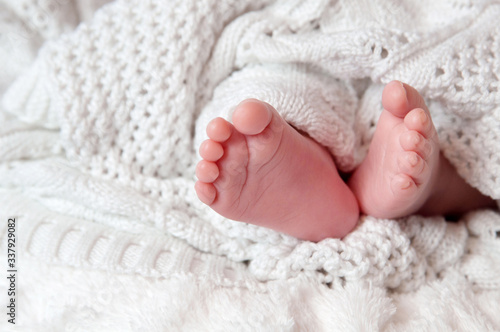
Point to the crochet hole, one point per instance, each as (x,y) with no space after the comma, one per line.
(41,19)
(458,88)
(497,234)
(315,25)
(439,72)
(384,53)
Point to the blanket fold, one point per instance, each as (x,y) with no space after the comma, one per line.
(98,145)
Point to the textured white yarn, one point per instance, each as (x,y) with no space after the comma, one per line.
(98,141)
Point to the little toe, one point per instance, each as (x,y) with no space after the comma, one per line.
(403,184)
(412,140)
(219,130)
(207,171)
(210,150)
(419,120)
(251,117)
(206,192)
(412,165)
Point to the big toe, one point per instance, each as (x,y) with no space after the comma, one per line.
(400,98)
(251,117)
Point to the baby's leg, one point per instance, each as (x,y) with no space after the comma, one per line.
(262,171)
(404,171)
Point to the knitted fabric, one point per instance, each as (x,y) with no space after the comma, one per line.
(98,145)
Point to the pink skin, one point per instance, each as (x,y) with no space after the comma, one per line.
(402,164)
(404,171)
(262,171)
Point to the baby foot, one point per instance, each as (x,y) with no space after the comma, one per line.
(262,171)
(400,172)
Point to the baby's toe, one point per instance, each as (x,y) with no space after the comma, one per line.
(219,130)
(414,141)
(210,150)
(206,192)
(411,164)
(207,171)
(251,117)
(420,121)
(403,184)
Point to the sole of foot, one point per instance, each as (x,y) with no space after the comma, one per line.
(260,170)
(400,171)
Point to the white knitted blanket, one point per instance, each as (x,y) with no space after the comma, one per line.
(104,106)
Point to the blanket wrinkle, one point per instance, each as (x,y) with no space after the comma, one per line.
(98,144)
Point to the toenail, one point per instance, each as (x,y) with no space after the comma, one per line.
(413,159)
(403,86)
(416,139)
(405,184)
(422,116)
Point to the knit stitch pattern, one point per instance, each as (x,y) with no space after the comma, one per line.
(102,124)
